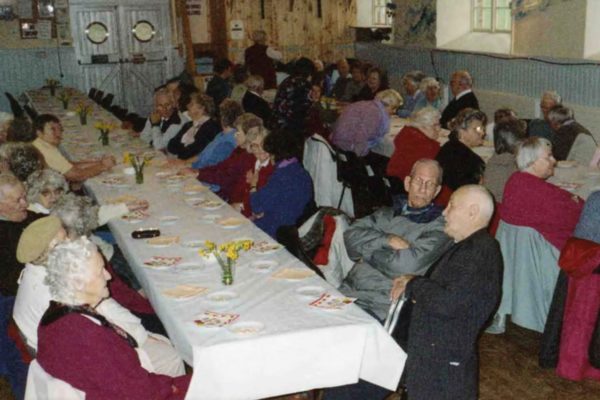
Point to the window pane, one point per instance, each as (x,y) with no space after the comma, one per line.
(482,18)
(503,20)
(503,3)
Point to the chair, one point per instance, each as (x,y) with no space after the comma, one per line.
(92,93)
(41,385)
(31,112)
(288,236)
(107,101)
(530,274)
(15,107)
(98,97)
(118,112)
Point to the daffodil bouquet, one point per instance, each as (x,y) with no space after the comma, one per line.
(83,109)
(226,255)
(137,163)
(65,96)
(104,128)
(52,84)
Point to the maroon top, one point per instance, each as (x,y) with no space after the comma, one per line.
(533,202)
(97,361)
(227,173)
(410,146)
(125,295)
(259,63)
(241,193)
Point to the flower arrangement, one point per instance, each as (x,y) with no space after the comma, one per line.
(226,255)
(83,110)
(104,128)
(137,163)
(52,84)
(65,96)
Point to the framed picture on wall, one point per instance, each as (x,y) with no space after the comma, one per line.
(45,9)
(28,29)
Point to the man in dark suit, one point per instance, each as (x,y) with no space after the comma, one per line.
(253,101)
(453,302)
(461,85)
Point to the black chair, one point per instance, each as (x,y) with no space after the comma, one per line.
(136,121)
(288,236)
(92,93)
(118,112)
(31,112)
(98,97)
(107,101)
(15,107)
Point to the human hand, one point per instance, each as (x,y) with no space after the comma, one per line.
(188,171)
(397,243)
(108,162)
(399,286)
(154,118)
(237,206)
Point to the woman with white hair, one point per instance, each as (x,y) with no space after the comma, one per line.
(253,101)
(431,90)
(418,139)
(82,347)
(260,59)
(529,200)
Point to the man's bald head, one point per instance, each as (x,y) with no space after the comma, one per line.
(470,209)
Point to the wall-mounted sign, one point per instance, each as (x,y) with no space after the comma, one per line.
(237,29)
(143,31)
(28,29)
(96,32)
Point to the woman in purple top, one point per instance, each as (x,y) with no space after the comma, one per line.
(81,347)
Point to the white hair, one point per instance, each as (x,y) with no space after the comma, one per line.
(427,116)
(390,98)
(255,83)
(552,95)
(428,82)
(68,269)
(529,150)
(44,179)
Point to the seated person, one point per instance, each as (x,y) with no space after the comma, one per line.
(224,176)
(344,77)
(461,165)
(376,82)
(358,72)
(418,139)
(224,143)
(82,347)
(196,134)
(531,201)
(461,88)
(49,135)
(404,239)
(572,141)
(363,124)
(21,159)
(240,76)
(541,127)
(163,122)
(14,217)
(507,135)
(501,114)
(284,198)
(218,87)
(411,82)
(253,101)
(431,90)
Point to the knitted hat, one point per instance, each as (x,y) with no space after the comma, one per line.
(36,238)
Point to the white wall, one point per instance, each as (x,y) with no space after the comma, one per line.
(453,20)
(363,13)
(592,30)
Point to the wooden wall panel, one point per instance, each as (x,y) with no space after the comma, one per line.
(294,28)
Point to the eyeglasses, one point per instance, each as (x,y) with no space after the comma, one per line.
(56,192)
(429,185)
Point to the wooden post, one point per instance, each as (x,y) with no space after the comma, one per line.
(190,62)
(219,28)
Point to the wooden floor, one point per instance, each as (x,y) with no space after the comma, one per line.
(509,370)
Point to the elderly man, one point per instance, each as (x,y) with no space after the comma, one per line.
(163,122)
(14,217)
(403,239)
(49,135)
(461,85)
(571,140)
(411,82)
(253,101)
(452,302)
(541,127)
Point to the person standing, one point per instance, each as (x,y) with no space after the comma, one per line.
(260,59)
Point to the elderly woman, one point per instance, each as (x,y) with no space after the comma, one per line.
(196,134)
(529,200)
(377,81)
(411,82)
(502,165)
(284,198)
(291,101)
(253,101)
(223,177)
(461,165)
(22,159)
(224,143)
(84,348)
(418,139)
(363,124)
(431,90)
(260,58)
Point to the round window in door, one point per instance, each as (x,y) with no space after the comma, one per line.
(143,31)
(96,32)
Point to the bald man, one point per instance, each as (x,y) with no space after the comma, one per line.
(452,302)
(461,87)
(163,123)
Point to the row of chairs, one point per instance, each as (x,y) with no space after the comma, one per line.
(20,111)
(106,101)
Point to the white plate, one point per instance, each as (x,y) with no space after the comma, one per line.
(194,244)
(212,205)
(210,217)
(264,247)
(566,164)
(312,292)
(230,223)
(193,201)
(168,219)
(246,328)
(263,265)
(222,297)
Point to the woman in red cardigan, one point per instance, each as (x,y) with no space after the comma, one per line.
(418,139)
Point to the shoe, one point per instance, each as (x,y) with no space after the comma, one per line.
(498,325)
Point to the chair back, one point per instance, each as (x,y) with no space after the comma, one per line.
(107,101)
(92,93)
(41,385)
(98,96)
(30,112)
(15,107)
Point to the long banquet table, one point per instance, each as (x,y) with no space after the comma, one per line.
(301,347)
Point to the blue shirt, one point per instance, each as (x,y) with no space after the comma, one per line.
(409,105)
(216,151)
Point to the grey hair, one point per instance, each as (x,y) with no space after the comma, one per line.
(164,92)
(259,36)
(390,98)
(255,83)
(559,114)
(427,116)
(78,214)
(38,181)
(552,95)
(67,269)
(22,159)
(257,132)
(413,76)
(428,82)
(529,150)
(428,161)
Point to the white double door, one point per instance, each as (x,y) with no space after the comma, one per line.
(123,47)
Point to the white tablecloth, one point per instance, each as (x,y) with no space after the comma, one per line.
(300,347)
(586,178)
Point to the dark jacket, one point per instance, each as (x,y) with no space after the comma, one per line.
(565,137)
(219,89)
(451,306)
(205,134)
(259,63)
(460,164)
(256,105)
(455,106)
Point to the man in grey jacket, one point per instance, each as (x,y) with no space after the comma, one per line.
(404,239)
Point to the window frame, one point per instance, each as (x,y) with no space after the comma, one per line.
(375,9)
(494,9)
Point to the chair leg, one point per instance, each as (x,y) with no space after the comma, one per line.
(341,197)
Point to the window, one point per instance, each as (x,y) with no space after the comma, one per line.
(381,13)
(491,16)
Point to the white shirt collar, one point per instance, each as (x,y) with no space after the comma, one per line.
(461,94)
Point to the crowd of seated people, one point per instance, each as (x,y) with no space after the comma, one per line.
(249,152)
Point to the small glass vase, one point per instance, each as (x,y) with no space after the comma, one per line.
(52,90)
(65,104)
(104,138)
(139,177)
(83,119)
(227,269)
